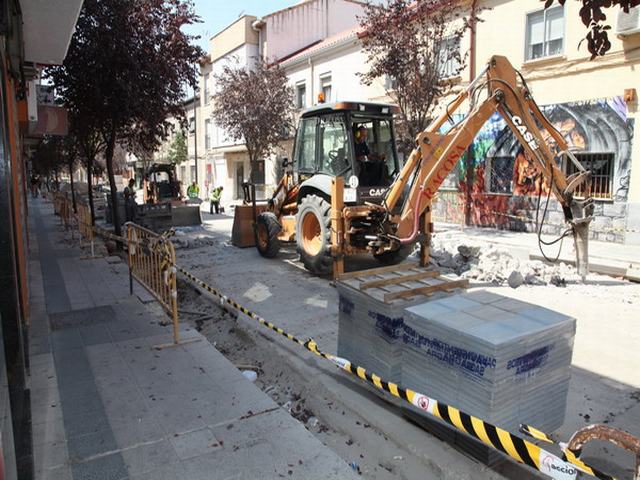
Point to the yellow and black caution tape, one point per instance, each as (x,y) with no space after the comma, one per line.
(568,455)
(511,445)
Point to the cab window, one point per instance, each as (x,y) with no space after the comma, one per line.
(305,155)
(335,148)
(379,143)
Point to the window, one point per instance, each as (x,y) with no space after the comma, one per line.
(449,57)
(335,154)
(193,173)
(325,87)
(301,95)
(390,83)
(206,89)
(207,134)
(258,173)
(305,154)
(601,167)
(380,142)
(192,125)
(183,174)
(545,33)
(501,174)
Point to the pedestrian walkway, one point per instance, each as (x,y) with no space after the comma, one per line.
(106,405)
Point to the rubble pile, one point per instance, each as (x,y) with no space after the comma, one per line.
(185,238)
(497,266)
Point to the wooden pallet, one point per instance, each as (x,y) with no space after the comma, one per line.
(402,281)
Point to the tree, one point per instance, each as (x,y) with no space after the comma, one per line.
(254,105)
(178,152)
(89,144)
(46,159)
(52,155)
(592,15)
(414,47)
(127,65)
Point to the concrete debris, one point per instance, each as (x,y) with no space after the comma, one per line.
(515,279)
(468,252)
(497,266)
(184,242)
(250,375)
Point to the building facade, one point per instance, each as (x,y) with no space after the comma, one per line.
(33,34)
(279,35)
(593,103)
(226,161)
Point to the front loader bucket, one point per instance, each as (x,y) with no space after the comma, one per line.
(581,242)
(185,215)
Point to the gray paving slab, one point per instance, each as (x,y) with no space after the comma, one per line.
(195,443)
(148,457)
(91,445)
(109,467)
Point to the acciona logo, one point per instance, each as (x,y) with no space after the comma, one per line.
(558,469)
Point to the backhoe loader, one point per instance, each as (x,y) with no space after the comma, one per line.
(383,207)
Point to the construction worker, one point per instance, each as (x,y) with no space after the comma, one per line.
(193,191)
(368,173)
(216,195)
(130,201)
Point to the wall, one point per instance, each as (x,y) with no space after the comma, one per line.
(585,102)
(233,36)
(344,65)
(290,30)
(593,125)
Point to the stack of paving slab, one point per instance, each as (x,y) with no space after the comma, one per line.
(499,359)
(370,329)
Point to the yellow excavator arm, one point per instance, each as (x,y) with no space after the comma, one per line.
(436,154)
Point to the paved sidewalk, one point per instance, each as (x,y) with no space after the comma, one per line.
(106,405)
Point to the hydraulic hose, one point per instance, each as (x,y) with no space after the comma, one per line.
(416,222)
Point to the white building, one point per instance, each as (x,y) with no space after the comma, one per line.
(331,67)
(280,35)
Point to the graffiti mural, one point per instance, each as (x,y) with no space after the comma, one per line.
(596,126)
(505,182)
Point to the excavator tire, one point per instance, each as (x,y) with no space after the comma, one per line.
(396,256)
(313,234)
(267,229)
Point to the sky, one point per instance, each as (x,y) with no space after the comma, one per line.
(217,14)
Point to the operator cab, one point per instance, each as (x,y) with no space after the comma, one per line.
(331,141)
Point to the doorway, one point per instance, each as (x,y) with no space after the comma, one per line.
(239,180)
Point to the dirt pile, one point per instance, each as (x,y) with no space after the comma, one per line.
(497,266)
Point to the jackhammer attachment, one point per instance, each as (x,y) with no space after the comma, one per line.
(581,216)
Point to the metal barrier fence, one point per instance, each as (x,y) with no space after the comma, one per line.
(62,207)
(83,222)
(152,260)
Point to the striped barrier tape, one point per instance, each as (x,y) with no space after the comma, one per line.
(509,444)
(567,454)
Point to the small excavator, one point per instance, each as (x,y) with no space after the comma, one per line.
(382,210)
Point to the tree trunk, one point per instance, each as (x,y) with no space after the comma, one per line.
(108,154)
(90,188)
(73,190)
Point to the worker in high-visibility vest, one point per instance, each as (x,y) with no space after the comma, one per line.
(193,191)
(214,197)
